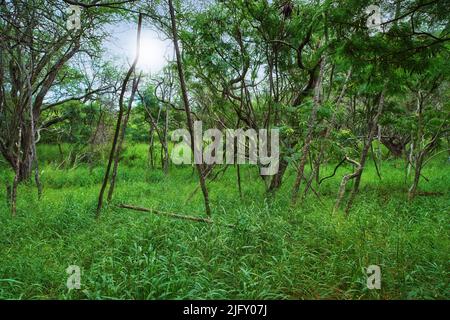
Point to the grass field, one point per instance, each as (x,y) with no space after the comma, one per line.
(275,251)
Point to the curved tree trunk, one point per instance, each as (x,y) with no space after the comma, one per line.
(119,120)
(121,140)
(309,137)
(200,168)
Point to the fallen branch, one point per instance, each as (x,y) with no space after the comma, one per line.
(424,193)
(173,215)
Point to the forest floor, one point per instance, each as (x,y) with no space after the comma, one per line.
(275,252)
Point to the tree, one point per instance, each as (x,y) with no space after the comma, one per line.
(35,48)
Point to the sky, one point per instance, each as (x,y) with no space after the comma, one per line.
(121,47)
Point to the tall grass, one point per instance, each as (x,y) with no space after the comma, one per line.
(276,251)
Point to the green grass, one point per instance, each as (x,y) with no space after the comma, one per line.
(276,251)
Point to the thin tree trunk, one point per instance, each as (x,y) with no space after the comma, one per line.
(238,170)
(186,105)
(374,158)
(17,176)
(154,128)
(61,153)
(158,133)
(34,156)
(410,159)
(151,147)
(121,140)
(309,137)
(277,180)
(418,168)
(419,158)
(119,119)
(92,142)
(380,151)
(309,182)
(329,129)
(344,182)
(166,142)
(365,152)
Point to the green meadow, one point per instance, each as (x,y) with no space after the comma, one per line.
(275,250)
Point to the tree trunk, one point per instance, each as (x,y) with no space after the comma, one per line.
(34,156)
(121,140)
(277,180)
(238,172)
(119,119)
(419,158)
(166,142)
(395,145)
(151,148)
(418,168)
(25,166)
(187,106)
(344,182)
(365,152)
(329,129)
(309,137)
(16,177)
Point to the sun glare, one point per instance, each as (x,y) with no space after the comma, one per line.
(153,53)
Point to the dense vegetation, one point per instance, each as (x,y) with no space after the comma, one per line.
(363,119)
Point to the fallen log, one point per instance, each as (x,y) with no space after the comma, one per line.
(173,215)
